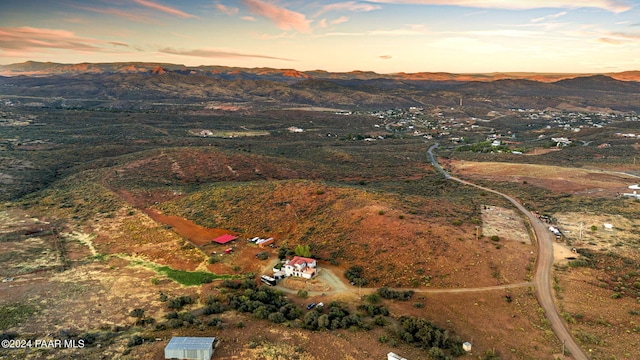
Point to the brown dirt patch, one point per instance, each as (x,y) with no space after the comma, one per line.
(303,284)
(517,330)
(554,178)
(138,235)
(507,224)
(623,231)
(196,234)
(604,326)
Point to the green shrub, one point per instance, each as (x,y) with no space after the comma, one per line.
(354,274)
(388,293)
(135,340)
(373,298)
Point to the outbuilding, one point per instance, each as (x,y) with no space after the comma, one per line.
(191,348)
(224,239)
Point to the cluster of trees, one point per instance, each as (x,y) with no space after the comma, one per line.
(388,293)
(374,310)
(355,137)
(284,252)
(354,274)
(337,317)
(483,147)
(265,303)
(237,285)
(176,320)
(213,306)
(141,319)
(422,333)
(179,302)
(303,250)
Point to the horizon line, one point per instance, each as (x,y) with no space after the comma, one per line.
(322,70)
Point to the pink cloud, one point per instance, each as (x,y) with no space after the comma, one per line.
(119,13)
(165,9)
(322,23)
(283,18)
(226,10)
(213,53)
(348,6)
(119,43)
(611,41)
(340,20)
(630,36)
(248,18)
(35,39)
(616,6)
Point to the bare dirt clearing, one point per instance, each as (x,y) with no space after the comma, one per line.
(196,234)
(594,234)
(507,224)
(558,179)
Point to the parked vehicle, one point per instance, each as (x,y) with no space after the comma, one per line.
(268,280)
(311,306)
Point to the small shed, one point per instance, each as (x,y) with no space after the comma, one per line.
(466,346)
(392,356)
(224,239)
(191,348)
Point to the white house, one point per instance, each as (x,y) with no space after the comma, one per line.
(300,266)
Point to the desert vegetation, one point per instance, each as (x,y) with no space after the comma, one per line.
(84,189)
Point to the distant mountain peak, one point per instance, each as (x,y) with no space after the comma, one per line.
(158,70)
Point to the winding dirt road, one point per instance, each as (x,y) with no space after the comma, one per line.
(542,277)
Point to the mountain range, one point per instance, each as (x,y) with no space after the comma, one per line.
(33,68)
(138,85)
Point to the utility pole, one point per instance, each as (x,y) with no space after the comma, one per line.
(580,231)
(563,349)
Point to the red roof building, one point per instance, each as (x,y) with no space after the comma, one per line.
(300,266)
(224,239)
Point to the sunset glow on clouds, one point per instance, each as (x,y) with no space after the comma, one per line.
(378,35)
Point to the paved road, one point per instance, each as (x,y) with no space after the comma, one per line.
(542,277)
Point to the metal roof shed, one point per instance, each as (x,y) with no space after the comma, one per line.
(224,239)
(196,348)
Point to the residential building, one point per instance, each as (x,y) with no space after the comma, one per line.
(301,267)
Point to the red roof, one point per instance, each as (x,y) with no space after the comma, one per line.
(224,239)
(299,260)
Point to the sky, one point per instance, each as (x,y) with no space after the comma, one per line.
(385,36)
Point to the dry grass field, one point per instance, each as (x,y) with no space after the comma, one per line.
(598,288)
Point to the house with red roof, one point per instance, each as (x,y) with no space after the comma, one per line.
(301,267)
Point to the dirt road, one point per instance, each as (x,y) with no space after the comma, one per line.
(542,277)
